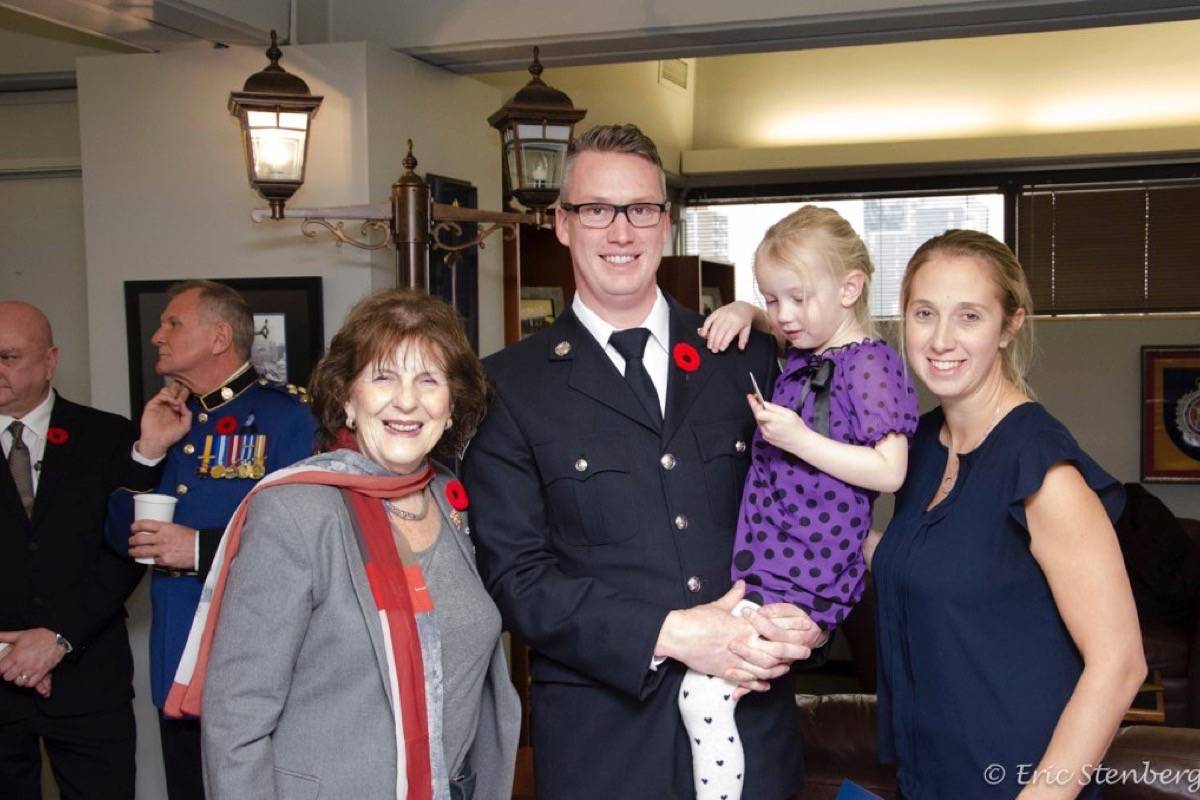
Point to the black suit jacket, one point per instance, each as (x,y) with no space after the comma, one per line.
(57,572)
(590,527)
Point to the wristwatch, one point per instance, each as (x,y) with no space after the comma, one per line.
(62,642)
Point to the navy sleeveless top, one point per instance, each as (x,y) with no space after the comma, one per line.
(975,662)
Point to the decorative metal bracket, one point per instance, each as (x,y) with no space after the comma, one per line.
(309,228)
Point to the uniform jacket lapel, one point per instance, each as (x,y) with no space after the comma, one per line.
(684,387)
(592,371)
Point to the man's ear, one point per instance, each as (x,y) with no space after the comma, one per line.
(222,337)
(560,227)
(852,287)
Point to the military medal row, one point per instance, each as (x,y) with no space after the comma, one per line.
(238,455)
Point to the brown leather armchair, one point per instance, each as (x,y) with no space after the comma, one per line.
(839,743)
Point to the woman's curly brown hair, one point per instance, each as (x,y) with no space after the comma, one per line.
(374,329)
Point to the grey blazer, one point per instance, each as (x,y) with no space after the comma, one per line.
(296,703)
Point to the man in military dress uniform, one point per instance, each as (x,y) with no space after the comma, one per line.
(220,428)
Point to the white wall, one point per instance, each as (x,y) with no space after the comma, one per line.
(446,117)
(165,196)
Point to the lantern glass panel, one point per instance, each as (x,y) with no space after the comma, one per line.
(527,131)
(262,119)
(560,133)
(293,120)
(278,154)
(513,168)
(542,163)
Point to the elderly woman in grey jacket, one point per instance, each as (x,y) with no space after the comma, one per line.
(353,651)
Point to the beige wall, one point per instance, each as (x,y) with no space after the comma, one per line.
(1102,90)
(622,93)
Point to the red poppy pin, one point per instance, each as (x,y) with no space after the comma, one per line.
(686,357)
(57,436)
(226,425)
(456,495)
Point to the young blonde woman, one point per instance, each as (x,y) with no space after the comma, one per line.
(1008,641)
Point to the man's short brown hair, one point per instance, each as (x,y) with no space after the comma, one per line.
(627,139)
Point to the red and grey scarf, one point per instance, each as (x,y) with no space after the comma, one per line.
(397,585)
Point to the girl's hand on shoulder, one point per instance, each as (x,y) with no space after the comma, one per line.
(780,426)
(729,323)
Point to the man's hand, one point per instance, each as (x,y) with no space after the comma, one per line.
(700,638)
(31,656)
(785,634)
(165,420)
(170,545)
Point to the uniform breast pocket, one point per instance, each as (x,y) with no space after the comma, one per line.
(725,449)
(589,489)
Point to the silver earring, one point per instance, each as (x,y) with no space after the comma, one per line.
(349,423)
(450,423)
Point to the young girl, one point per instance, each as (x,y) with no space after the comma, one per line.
(833,437)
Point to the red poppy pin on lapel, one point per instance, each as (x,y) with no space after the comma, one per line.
(686,357)
(456,495)
(226,425)
(57,436)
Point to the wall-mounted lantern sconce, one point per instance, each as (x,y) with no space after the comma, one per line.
(275,109)
(536,125)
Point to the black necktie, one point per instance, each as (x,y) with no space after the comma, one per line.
(631,344)
(19,466)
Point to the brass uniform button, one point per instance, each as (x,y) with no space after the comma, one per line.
(667,461)
(202,416)
(562,348)
(262,381)
(681,522)
(581,465)
(740,446)
(693,584)
(181,489)
(189,448)
(226,393)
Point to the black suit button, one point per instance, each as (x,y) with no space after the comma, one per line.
(33,546)
(37,601)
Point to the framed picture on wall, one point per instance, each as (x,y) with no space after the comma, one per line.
(289,330)
(1171,414)
(454,276)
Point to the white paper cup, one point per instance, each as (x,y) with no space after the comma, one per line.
(160,507)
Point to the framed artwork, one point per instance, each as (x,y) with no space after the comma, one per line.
(710,300)
(540,305)
(289,329)
(1171,414)
(454,276)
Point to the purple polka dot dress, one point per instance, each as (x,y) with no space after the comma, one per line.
(800,531)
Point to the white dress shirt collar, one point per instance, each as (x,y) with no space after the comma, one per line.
(655,359)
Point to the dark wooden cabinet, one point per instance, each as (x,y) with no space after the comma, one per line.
(536,259)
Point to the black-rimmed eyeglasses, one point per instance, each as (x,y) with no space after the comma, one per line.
(601,215)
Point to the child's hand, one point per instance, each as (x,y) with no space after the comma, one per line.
(729,322)
(780,426)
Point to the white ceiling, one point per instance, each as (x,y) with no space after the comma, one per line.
(489,35)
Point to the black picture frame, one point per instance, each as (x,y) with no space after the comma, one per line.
(299,300)
(454,276)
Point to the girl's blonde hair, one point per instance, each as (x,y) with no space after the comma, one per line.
(813,237)
(1009,280)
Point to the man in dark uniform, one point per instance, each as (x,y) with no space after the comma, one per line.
(220,428)
(604,487)
(66,667)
